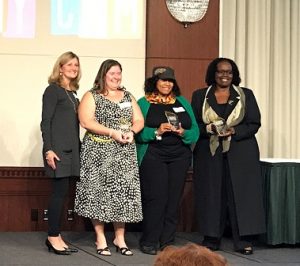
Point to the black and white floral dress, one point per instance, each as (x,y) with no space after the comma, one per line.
(109,185)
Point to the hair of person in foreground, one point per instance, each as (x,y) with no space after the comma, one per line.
(189,255)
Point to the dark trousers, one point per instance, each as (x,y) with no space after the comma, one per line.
(60,187)
(229,210)
(162,185)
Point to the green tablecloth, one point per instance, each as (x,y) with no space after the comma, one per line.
(282,202)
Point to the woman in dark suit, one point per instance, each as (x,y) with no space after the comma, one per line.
(227,176)
(60,132)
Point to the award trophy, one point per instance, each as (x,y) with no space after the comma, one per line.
(125,125)
(220,127)
(172,119)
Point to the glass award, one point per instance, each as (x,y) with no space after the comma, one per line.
(220,126)
(125,125)
(172,119)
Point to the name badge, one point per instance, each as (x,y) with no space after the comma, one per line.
(125,105)
(178,109)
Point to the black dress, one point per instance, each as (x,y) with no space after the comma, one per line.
(60,130)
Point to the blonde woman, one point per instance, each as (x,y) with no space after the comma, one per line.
(60,132)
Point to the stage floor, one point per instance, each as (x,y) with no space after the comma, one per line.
(28,248)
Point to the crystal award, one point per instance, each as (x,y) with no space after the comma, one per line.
(125,125)
(172,119)
(220,126)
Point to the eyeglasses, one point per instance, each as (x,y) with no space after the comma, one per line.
(224,72)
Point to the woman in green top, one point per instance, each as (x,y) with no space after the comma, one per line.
(164,156)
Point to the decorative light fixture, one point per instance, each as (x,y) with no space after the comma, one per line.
(187,11)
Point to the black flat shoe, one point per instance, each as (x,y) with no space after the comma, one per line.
(148,250)
(211,243)
(72,250)
(163,247)
(246,251)
(166,244)
(56,251)
(124,250)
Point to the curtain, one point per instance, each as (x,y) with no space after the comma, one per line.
(263,38)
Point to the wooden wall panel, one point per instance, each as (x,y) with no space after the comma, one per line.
(190,74)
(187,219)
(187,50)
(24,195)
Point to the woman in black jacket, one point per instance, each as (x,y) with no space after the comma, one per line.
(60,132)
(227,176)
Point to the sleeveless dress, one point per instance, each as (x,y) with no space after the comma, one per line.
(109,185)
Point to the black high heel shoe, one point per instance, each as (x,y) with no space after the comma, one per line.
(103,251)
(56,251)
(124,250)
(72,250)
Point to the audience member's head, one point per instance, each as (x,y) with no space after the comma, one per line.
(189,255)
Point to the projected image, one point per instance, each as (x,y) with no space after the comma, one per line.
(20,20)
(89,19)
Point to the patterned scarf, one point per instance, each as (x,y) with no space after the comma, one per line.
(235,117)
(156,98)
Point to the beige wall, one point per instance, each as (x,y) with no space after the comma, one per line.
(26,64)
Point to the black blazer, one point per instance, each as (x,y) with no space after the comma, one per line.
(60,130)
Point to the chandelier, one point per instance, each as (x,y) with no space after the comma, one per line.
(187,11)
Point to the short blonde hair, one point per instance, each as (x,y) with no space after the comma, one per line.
(55,76)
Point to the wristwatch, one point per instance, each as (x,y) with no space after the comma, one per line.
(157,136)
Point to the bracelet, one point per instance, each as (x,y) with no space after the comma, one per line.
(157,136)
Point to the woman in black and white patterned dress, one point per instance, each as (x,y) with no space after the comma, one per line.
(109,186)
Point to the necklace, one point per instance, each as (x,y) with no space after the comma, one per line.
(74,103)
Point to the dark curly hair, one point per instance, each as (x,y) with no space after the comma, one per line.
(212,68)
(150,85)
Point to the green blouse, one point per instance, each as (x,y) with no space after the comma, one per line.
(147,134)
